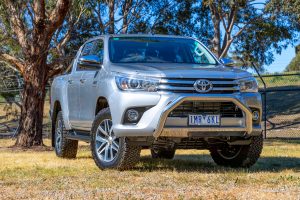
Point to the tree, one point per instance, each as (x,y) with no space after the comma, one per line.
(290,9)
(294,65)
(233,17)
(174,17)
(32,25)
(112,16)
(249,29)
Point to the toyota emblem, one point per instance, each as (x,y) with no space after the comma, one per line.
(203,86)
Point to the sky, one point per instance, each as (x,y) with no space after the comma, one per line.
(281,60)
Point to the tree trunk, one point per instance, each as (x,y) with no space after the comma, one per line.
(215,17)
(216,40)
(126,8)
(30,130)
(111,7)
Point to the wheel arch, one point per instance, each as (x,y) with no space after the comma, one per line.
(102,102)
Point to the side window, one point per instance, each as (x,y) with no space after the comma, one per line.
(98,49)
(87,49)
(93,49)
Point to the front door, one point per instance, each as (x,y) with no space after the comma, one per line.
(89,85)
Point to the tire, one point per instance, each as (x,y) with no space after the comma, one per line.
(64,148)
(109,151)
(238,156)
(163,153)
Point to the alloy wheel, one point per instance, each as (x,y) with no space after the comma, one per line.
(58,135)
(107,144)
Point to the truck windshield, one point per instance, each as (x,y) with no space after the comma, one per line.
(158,50)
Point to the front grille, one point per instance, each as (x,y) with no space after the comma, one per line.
(224,109)
(186,85)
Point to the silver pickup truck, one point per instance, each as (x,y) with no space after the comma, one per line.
(124,93)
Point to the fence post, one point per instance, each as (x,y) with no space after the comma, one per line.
(265,99)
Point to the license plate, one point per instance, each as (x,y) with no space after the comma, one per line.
(204,120)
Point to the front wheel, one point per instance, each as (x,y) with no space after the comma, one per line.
(108,150)
(238,156)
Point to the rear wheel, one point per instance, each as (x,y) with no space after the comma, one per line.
(64,148)
(163,153)
(108,150)
(238,156)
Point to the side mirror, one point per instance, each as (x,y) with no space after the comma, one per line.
(92,62)
(227,62)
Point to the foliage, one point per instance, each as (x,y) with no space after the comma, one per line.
(294,65)
(255,34)
(175,17)
(249,30)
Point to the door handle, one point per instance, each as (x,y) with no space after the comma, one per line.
(70,81)
(82,80)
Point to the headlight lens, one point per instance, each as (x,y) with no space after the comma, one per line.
(248,85)
(137,84)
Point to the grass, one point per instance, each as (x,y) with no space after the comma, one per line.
(191,175)
(281,81)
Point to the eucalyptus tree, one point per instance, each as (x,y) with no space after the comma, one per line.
(31,25)
(249,29)
(114,16)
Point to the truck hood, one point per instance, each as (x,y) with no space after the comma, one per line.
(161,70)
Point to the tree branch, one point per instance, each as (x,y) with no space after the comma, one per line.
(58,66)
(57,16)
(13,61)
(39,10)
(72,24)
(17,24)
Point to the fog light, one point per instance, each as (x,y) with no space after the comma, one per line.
(255,115)
(132,115)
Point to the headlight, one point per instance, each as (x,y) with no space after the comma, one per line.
(248,85)
(137,84)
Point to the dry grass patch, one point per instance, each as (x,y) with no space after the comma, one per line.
(191,175)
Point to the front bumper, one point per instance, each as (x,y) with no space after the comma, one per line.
(155,121)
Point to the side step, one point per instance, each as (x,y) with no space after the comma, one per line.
(79,135)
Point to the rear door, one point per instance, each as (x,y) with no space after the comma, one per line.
(88,88)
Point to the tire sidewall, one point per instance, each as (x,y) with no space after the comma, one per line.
(59,118)
(247,156)
(102,115)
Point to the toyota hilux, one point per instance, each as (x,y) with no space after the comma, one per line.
(124,93)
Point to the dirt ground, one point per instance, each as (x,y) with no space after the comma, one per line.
(191,175)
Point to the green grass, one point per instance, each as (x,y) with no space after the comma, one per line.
(281,81)
(192,174)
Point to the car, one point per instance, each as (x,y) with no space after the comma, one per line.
(125,93)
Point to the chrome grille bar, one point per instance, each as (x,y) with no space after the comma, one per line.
(186,85)
(166,81)
(167,87)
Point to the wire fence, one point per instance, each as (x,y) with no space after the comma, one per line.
(281,102)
